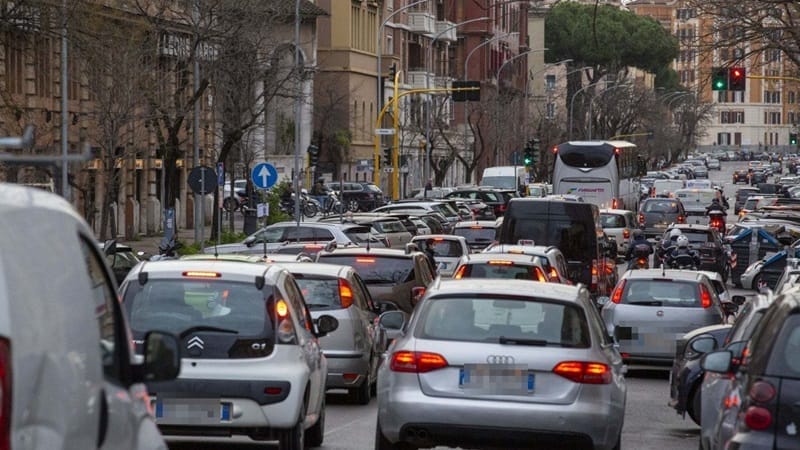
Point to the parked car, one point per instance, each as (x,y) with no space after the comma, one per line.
(392,276)
(657,214)
(359,196)
(241,325)
(354,349)
(556,378)
(619,224)
(491,197)
(447,250)
(64,346)
(767,383)
(650,309)
(767,271)
(479,234)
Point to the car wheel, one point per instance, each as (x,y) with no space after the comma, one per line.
(293,438)
(353,205)
(694,405)
(756,282)
(381,443)
(316,434)
(360,395)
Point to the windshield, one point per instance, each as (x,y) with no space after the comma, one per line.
(661,293)
(320,293)
(504,182)
(501,269)
(174,305)
(375,269)
(529,321)
(477,234)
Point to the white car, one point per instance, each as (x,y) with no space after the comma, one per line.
(68,376)
(619,224)
(252,364)
(447,250)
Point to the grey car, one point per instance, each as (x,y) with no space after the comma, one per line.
(650,309)
(504,266)
(354,349)
(273,236)
(656,214)
(556,377)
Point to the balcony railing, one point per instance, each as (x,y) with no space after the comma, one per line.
(422,22)
(419,79)
(441,82)
(447,29)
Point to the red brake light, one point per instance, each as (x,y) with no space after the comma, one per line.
(460,272)
(281,309)
(616,296)
(554,275)
(762,392)
(617,150)
(681,219)
(758,418)
(500,263)
(641,218)
(5,394)
(705,297)
(626,233)
(365,260)
(273,390)
(614,203)
(345,293)
(540,275)
(555,150)
(417,362)
(584,372)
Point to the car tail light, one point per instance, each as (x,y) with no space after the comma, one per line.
(285,327)
(417,293)
(584,372)
(500,262)
(273,390)
(345,293)
(705,297)
(554,275)
(540,275)
(616,296)
(614,204)
(365,260)
(762,392)
(199,274)
(758,418)
(594,275)
(626,233)
(5,394)
(417,362)
(641,219)
(460,272)
(681,219)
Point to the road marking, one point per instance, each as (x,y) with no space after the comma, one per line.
(342,427)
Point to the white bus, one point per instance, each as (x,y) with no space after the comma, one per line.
(604,173)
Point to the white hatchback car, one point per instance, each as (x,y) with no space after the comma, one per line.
(68,376)
(447,250)
(252,363)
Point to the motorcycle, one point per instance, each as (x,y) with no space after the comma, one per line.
(716,219)
(308,205)
(684,261)
(167,249)
(641,257)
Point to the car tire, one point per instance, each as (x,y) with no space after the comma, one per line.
(310,210)
(381,443)
(361,394)
(694,404)
(293,438)
(316,434)
(756,282)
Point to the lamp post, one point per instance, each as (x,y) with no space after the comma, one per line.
(680,95)
(426,171)
(572,103)
(591,103)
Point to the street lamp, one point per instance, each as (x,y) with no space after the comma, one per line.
(427,165)
(591,103)
(572,103)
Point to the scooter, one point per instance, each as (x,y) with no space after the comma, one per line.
(641,255)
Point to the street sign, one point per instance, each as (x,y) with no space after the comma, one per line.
(384,131)
(221,174)
(388,169)
(264,176)
(202,180)
(515,159)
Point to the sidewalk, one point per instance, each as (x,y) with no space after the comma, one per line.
(149,244)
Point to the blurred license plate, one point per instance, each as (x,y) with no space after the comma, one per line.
(192,411)
(496,378)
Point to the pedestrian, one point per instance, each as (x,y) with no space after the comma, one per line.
(428,187)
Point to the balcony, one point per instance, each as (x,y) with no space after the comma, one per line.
(419,79)
(447,30)
(441,82)
(422,22)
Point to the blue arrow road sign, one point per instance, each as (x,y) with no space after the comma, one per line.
(264,176)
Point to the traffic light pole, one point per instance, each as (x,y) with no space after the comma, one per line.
(395,105)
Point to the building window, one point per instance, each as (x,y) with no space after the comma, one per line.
(43,67)
(723,139)
(790,97)
(15,62)
(791,118)
(551,110)
(772,118)
(550,82)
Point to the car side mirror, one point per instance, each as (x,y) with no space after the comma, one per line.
(392,323)
(110,247)
(384,306)
(730,308)
(602,300)
(703,344)
(162,357)
(325,324)
(718,362)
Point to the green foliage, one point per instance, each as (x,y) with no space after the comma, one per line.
(273,197)
(227,237)
(611,40)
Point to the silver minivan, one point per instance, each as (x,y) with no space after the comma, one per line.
(68,376)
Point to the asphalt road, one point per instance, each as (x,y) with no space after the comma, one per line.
(649,422)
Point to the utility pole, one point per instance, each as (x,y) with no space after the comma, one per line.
(64,106)
(298,112)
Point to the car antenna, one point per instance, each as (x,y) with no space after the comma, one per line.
(369,237)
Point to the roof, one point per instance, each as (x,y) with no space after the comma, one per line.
(446,237)
(649,274)
(536,250)
(332,270)
(689,226)
(520,258)
(615,211)
(228,270)
(13,196)
(507,287)
(477,223)
(363,251)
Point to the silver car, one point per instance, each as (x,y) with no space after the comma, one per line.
(506,266)
(619,224)
(447,250)
(354,349)
(650,309)
(272,237)
(500,365)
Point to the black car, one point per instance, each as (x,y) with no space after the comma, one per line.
(758,176)
(359,196)
(491,197)
(741,196)
(714,252)
(767,381)
(740,176)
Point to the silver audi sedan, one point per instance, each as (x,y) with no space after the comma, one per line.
(500,365)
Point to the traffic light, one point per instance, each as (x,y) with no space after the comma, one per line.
(392,72)
(530,152)
(387,156)
(313,155)
(793,139)
(737,78)
(719,79)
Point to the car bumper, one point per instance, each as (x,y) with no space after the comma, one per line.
(342,367)
(406,414)
(752,441)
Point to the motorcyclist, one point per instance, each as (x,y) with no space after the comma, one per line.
(638,247)
(723,201)
(715,205)
(668,244)
(682,253)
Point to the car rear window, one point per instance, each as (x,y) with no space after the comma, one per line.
(477,234)
(441,247)
(672,293)
(319,293)
(661,206)
(695,237)
(389,226)
(375,269)
(501,269)
(175,305)
(612,221)
(445,209)
(742,195)
(492,197)
(783,361)
(530,321)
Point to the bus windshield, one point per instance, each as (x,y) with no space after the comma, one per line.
(582,156)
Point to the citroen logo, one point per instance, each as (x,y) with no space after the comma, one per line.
(195,342)
(660,313)
(500,359)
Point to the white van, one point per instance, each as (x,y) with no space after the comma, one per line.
(666,188)
(505,177)
(68,379)
(695,202)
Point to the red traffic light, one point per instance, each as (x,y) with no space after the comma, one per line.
(737,78)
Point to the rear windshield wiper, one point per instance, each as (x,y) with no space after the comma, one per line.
(523,341)
(207,328)
(318,305)
(379,282)
(647,303)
